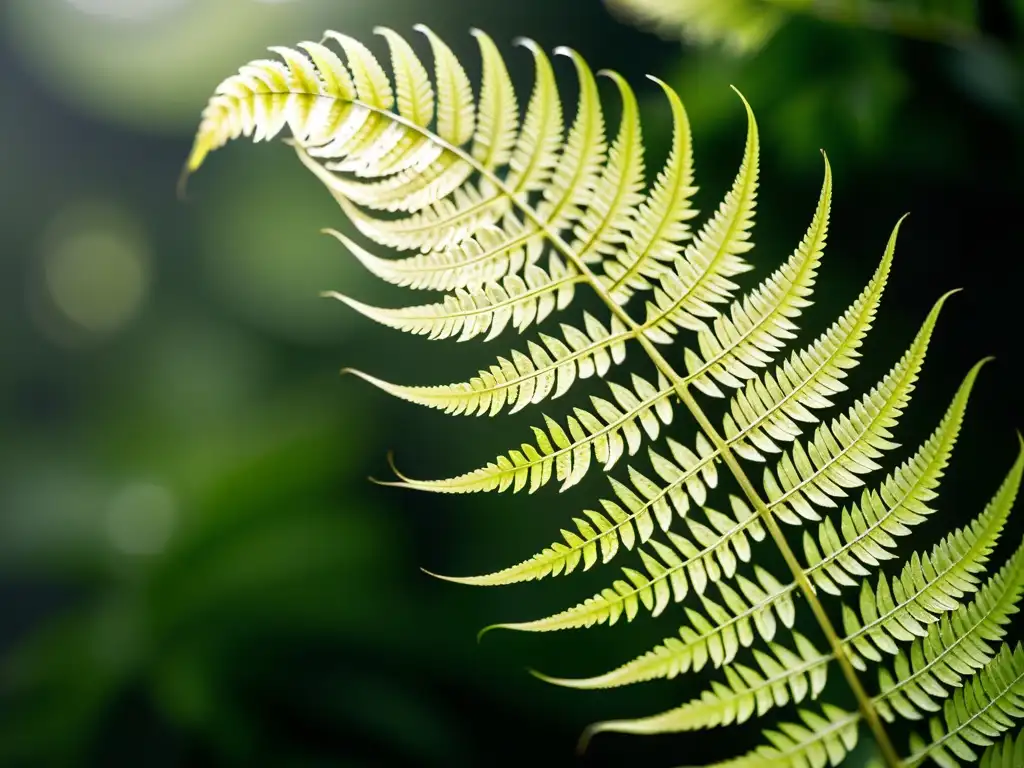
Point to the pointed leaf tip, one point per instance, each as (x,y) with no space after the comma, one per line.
(181,188)
(548,678)
(489,628)
(452,579)
(586,737)
(394,468)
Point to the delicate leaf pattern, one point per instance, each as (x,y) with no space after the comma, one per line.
(511,214)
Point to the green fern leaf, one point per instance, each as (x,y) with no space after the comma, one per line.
(929,584)
(511,216)
(660,220)
(839,455)
(700,277)
(817,740)
(1005,754)
(548,370)
(958,645)
(519,301)
(978,713)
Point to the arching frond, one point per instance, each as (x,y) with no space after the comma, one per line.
(708,555)
(839,454)
(632,517)
(734,621)
(769,409)
(759,324)
(817,740)
(832,462)
(840,558)
(688,474)
(779,676)
(511,216)
(699,278)
(486,257)
(956,643)
(904,493)
(661,220)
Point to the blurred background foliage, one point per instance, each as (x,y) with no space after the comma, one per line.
(193,568)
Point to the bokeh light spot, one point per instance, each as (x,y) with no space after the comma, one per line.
(96,268)
(140,519)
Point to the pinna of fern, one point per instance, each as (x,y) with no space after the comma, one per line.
(511,214)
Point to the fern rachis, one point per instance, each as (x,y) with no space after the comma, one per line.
(510,215)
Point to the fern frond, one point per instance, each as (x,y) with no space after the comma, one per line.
(661,218)
(671,572)
(985,707)
(699,278)
(930,584)
(605,225)
(509,215)
(982,710)
(735,621)
(816,741)
(521,301)
(566,454)
(847,448)
(903,496)
(959,644)
(806,378)
(486,257)
(1007,753)
(759,324)
(865,536)
(546,370)
(536,149)
(778,677)
(770,408)
(839,454)
(577,172)
(631,518)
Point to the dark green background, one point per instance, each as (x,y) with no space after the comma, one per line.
(283,619)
